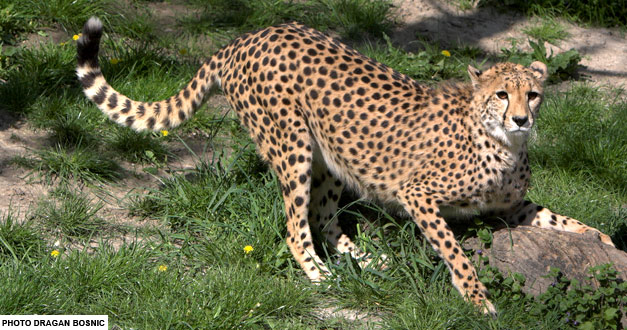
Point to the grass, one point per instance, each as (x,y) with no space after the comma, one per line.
(353,19)
(430,64)
(13,23)
(70,14)
(607,13)
(138,147)
(70,213)
(48,70)
(549,30)
(465,5)
(81,163)
(356,17)
(70,123)
(580,157)
(193,272)
(127,283)
(581,132)
(19,241)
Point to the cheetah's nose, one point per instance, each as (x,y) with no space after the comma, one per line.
(520,121)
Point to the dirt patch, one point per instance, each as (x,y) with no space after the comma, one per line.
(18,192)
(604,50)
(167,14)
(54,34)
(357,319)
(22,189)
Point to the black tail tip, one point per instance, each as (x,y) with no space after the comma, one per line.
(88,43)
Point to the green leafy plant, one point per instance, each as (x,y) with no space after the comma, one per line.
(581,305)
(482,230)
(500,285)
(575,304)
(561,66)
(496,282)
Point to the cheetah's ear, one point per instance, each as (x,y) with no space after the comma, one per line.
(540,71)
(474,74)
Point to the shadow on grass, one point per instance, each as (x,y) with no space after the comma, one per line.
(620,235)
(352,19)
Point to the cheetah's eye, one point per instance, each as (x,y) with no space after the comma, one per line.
(532,96)
(502,95)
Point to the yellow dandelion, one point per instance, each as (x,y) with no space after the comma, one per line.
(164,133)
(114,61)
(248,249)
(446,53)
(163,268)
(55,253)
(183,51)
(76,36)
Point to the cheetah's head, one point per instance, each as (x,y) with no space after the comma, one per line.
(509,97)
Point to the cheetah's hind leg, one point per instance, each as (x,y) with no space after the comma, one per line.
(326,190)
(530,214)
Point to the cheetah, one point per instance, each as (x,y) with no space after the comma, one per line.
(327,118)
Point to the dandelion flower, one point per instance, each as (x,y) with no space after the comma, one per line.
(164,133)
(76,36)
(446,53)
(248,249)
(55,253)
(163,268)
(114,61)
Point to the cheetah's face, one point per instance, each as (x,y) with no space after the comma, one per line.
(509,97)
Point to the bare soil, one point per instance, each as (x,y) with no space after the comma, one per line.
(604,51)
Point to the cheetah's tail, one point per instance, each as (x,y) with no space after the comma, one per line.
(121,109)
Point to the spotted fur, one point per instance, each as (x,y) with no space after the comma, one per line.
(326,118)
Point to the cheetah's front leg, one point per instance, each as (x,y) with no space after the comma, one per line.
(425,212)
(530,214)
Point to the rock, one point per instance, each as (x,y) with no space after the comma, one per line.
(532,251)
